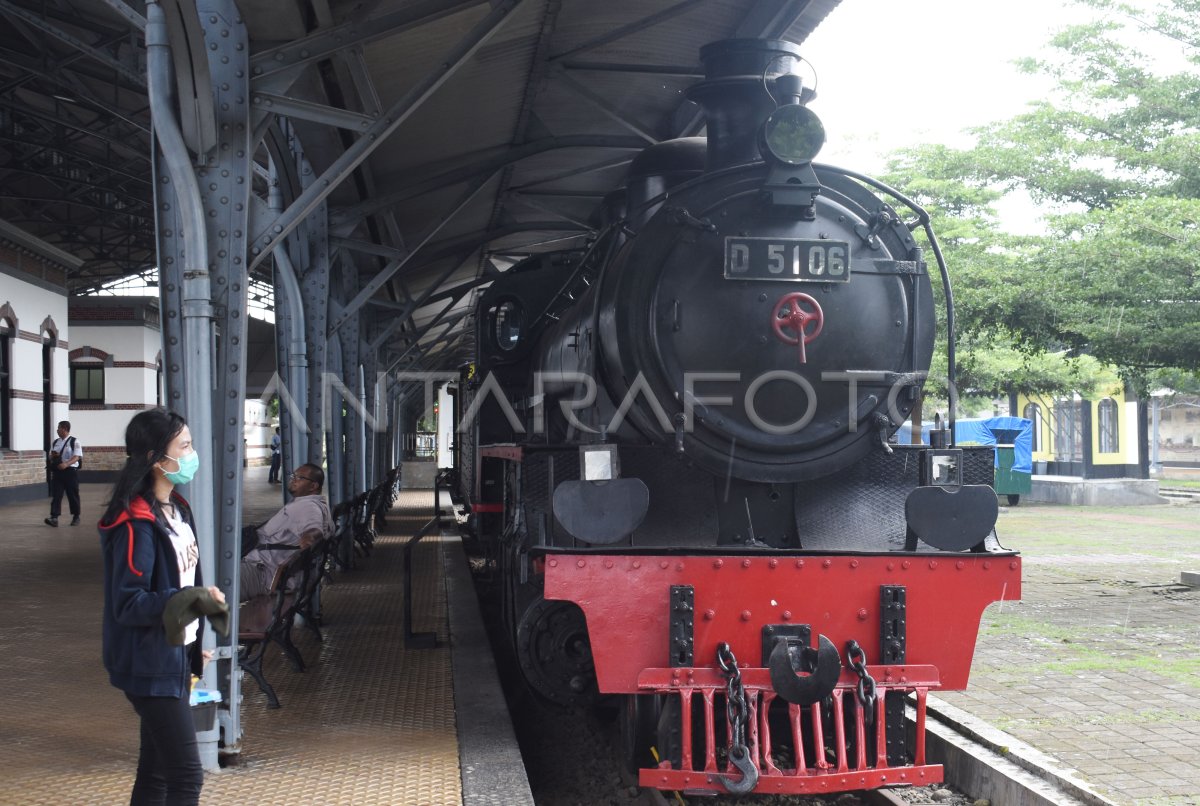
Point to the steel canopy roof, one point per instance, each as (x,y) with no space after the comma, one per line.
(510,146)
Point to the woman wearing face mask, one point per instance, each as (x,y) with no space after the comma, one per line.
(150,553)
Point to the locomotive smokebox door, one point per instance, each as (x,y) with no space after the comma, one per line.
(601,507)
(944,512)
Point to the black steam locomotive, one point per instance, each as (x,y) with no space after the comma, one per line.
(677,445)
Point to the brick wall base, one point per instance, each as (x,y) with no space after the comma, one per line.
(106,459)
(18,469)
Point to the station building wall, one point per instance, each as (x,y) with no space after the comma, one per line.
(1096,437)
(258,430)
(117,341)
(33,327)
(123,336)
(1179,430)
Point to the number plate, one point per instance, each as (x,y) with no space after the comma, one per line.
(787,259)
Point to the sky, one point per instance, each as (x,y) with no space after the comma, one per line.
(893,74)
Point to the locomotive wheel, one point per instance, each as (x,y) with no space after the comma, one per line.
(638,722)
(555,653)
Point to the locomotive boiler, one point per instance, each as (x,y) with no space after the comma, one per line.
(677,446)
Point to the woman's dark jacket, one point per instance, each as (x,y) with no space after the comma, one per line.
(141,573)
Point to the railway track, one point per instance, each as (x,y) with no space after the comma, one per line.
(572,758)
(1188,495)
(572,755)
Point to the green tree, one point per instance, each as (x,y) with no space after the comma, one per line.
(990,363)
(1113,155)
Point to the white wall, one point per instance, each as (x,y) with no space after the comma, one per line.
(445,427)
(32,304)
(258,430)
(1129,431)
(1179,422)
(132,388)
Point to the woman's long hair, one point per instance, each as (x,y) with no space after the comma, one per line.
(146,439)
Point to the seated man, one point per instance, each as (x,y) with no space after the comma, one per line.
(297,525)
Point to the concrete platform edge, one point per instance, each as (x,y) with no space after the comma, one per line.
(987,762)
(1071,491)
(489,757)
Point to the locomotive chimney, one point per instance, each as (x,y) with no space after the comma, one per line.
(736,97)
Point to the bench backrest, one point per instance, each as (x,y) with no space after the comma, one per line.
(293,567)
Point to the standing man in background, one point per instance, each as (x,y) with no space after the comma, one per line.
(276,459)
(66,455)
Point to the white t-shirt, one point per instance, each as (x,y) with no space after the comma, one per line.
(67,448)
(187,555)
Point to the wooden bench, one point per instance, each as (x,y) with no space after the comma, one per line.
(341,544)
(370,509)
(389,489)
(269,617)
(364,528)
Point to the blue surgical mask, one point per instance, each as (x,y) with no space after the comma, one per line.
(188,464)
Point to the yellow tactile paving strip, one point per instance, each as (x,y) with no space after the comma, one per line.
(368,723)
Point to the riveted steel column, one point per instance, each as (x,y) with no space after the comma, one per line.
(396,397)
(225,185)
(375,415)
(184,258)
(204,279)
(314,291)
(394,426)
(350,336)
(336,484)
(291,352)
(363,426)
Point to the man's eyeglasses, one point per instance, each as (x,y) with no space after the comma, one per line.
(305,478)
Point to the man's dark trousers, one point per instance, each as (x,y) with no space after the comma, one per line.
(65,481)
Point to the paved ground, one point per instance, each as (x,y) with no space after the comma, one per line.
(368,723)
(1099,665)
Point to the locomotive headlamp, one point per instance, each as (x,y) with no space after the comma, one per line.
(792,135)
(943,468)
(599,462)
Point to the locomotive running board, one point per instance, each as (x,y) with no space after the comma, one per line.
(855,763)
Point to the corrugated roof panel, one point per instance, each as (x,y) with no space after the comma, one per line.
(476,108)
(534,80)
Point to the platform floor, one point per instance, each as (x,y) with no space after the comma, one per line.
(1099,665)
(367,723)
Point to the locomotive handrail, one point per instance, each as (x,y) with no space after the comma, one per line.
(601,237)
(923,218)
